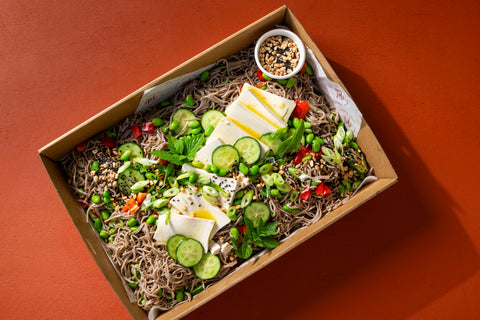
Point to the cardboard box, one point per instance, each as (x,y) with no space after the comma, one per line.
(52,152)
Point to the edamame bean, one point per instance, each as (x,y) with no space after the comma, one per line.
(103,234)
(97,223)
(209,130)
(354,145)
(310,138)
(208,168)
(95,166)
(112,230)
(274,192)
(282,81)
(243,169)
(204,76)
(308,130)
(214,168)
(157,122)
(316,145)
(265,168)
(110,239)
(179,295)
(165,129)
(296,122)
(193,177)
(173,125)
(95,198)
(197,164)
(165,103)
(105,215)
(341,190)
(189,100)
(106,193)
(110,134)
(254,170)
(151,219)
(134,228)
(290,83)
(193,123)
(347,184)
(307,125)
(221,172)
(309,70)
(107,200)
(287,208)
(132,222)
(196,130)
(132,285)
(234,233)
(266,77)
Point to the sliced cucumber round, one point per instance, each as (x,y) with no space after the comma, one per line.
(135,150)
(211,118)
(128,178)
(189,252)
(249,149)
(225,156)
(272,143)
(257,211)
(182,116)
(208,267)
(173,243)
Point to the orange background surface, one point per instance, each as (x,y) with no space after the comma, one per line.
(411,66)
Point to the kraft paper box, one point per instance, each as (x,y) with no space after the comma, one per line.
(332,86)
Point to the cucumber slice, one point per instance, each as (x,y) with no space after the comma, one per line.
(256,211)
(272,143)
(135,150)
(208,267)
(182,115)
(211,118)
(173,243)
(249,149)
(189,252)
(128,178)
(225,156)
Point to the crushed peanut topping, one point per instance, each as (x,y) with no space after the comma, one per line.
(279,55)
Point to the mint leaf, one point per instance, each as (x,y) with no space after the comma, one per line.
(267,242)
(192,145)
(245,251)
(292,142)
(165,155)
(269,229)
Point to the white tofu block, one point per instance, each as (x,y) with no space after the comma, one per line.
(282,107)
(204,155)
(254,104)
(248,121)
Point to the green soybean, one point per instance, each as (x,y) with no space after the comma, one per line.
(310,138)
(110,134)
(243,169)
(95,166)
(112,230)
(165,129)
(307,125)
(234,233)
(173,125)
(165,103)
(282,81)
(265,168)
(157,122)
(197,164)
(107,200)
(209,130)
(266,77)
(208,168)
(221,172)
(274,192)
(126,155)
(214,168)
(193,177)
(290,83)
(347,184)
(193,123)
(204,76)
(134,228)
(308,130)
(106,193)
(95,198)
(133,285)
(151,219)
(105,214)
(287,208)
(110,239)
(296,122)
(316,145)
(132,222)
(254,170)
(97,223)
(179,295)
(309,70)
(103,234)
(189,100)
(354,145)
(196,130)
(341,190)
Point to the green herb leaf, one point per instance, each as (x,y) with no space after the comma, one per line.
(267,242)
(192,145)
(269,229)
(292,142)
(175,145)
(165,155)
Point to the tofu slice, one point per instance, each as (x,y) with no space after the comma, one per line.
(249,121)
(229,132)
(205,154)
(198,229)
(195,205)
(282,107)
(254,104)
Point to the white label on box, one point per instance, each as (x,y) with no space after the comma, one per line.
(336,96)
(167,89)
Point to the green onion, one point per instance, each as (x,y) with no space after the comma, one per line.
(247,198)
(210,191)
(171,192)
(232,213)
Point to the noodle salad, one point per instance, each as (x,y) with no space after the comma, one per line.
(231,165)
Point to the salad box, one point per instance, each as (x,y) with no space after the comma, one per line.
(51,154)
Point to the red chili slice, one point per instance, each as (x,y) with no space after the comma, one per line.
(136,131)
(260,76)
(81,146)
(109,142)
(148,126)
(305,195)
(301,109)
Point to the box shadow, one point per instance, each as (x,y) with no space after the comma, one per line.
(408,238)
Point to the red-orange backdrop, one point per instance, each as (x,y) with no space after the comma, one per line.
(411,66)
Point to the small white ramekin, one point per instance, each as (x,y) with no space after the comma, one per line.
(288,34)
